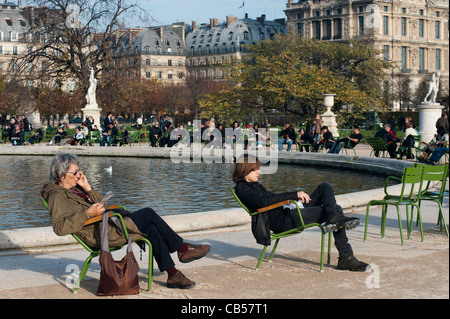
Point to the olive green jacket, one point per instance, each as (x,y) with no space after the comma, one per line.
(68,214)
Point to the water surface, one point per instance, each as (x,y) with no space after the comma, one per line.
(158,183)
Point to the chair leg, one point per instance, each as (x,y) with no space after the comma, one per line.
(384,208)
(419,218)
(400,224)
(367,221)
(261,257)
(329,248)
(150,263)
(274,248)
(441,218)
(83,272)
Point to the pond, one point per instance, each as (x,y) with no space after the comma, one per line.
(158,183)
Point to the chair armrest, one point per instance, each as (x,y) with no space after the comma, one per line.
(387,181)
(276,205)
(99,217)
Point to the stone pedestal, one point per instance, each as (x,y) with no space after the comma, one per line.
(94,111)
(329,118)
(429,113)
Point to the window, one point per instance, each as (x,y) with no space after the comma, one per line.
(300,28)
(180,62)
(328,29)
(385,25)
(1,49)
(169,74)
(404,57)
(421,26)
(361,25)
(159,74)
(437,27)
(404,27)
(148,74)
(15,50)
(421,59)
(338,29)
(386,52)
(169,62)
(438,59)
(318,33)
(147,61)
(8,22)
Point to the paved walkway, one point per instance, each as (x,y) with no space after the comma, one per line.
(415,270)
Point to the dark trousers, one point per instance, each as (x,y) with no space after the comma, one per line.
(163,239)
(321,205)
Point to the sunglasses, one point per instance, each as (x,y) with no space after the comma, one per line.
(74,173)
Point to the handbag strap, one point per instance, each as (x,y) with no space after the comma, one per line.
(104,237)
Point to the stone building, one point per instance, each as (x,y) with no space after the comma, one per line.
(13,27)
(414,34)
(208,46)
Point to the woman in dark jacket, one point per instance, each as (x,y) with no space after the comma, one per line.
(320,207)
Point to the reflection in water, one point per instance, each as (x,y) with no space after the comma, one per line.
(158,183)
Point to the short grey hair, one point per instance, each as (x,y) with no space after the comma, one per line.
(60,166)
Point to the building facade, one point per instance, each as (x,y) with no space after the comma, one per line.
(414,34)
(210,45)
(13,27)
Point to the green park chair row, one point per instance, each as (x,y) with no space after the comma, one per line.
(416,186)
(95,252)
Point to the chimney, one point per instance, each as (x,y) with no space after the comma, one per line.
(213,22)
(194,25)
(262,20)
(230,20)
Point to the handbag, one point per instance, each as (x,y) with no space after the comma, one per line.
(117,277)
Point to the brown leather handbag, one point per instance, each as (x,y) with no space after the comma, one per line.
(117,277)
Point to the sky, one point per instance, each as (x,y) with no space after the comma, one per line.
(166,12)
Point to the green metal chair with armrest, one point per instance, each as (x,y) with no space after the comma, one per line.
(412,176)
(94,252)
(291,232)
(432,173)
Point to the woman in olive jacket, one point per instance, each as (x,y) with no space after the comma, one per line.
(72,201)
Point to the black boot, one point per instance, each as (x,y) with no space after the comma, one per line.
(337,221)
(352,264)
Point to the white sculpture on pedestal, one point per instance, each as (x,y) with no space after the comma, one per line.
(430,110)
(91,108)
(433,89)
(90,96)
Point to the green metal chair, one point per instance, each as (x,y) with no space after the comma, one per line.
(96,252)
(377,145)
(438,173)
(407,151)
(412,176)
(288,233)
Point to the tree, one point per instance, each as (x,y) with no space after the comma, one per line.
(289,74)
(68,37)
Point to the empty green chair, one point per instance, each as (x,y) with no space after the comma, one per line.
(411,181)
(432,173)
(288,233)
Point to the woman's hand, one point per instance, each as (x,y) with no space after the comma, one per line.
(95,210)
(83,182)
(303,197)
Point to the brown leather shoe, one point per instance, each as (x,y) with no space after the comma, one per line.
(179,281)
(194,252)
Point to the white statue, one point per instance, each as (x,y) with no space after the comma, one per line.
(90,96)
(433,88)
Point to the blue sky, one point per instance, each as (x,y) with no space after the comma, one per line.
(169,11)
